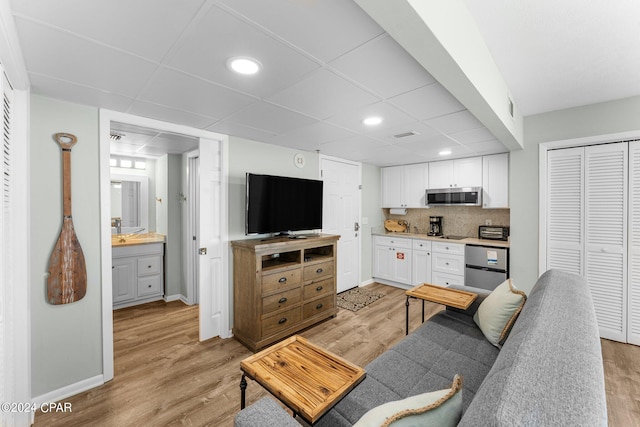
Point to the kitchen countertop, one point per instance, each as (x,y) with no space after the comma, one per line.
(465,241)
(135,239)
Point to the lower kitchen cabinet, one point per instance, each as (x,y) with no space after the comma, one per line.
(392,259)
(137,274)
(448,264)
(421,262)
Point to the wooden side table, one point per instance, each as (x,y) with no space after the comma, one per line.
(303,376)
(441,295)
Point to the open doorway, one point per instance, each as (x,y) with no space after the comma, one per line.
(174,151)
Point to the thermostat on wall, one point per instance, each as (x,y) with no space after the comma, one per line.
(298,160)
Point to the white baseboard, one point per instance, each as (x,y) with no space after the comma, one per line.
(367,282)
(69,390)
(176,297)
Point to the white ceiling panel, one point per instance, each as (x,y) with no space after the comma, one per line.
(229,128)
(310,137)
(323,94)
(270,118)
(383,67)
(142,27)
(325,29)
(168,114)
(455,122)
(428,102)
(392,118)
(473,136)
(194,95)
(227,36)
(422,133)
(63,56)
(389,155)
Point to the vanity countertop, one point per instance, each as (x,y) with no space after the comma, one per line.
(136,239)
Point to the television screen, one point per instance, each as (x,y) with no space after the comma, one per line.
(279,204)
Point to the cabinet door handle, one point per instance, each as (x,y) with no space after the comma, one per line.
(148,266)
(149,286)
(282,279)
(319,288)
(319,271)
(318,307)
(281,321)
(446,263)
(282,300)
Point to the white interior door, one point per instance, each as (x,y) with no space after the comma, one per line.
(213,287)
(341,215)
(633,277)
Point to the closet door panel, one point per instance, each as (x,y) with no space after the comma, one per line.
(633,283)
(605,190)
(565,209)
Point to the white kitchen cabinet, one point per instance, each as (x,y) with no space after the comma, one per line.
(392,259)
(137,274)
(421,262)
(495,181)
(404,186)
(456,173)
(447,265)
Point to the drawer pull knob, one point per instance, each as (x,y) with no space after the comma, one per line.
(148,266)
(319,288)
(149,286)
(281,321)
(318,307)
(319,271)
(446,263)
(282,300)
(282,279)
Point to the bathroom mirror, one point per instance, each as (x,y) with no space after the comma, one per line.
(130,203)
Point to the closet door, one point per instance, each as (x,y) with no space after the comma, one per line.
(606,236)
(565,209)
(633,283)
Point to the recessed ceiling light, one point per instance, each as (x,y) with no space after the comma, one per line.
(244,65)
(372,121)
(445,152)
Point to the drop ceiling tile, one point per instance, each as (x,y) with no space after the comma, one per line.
(123,148)
(360,143)
(85,95)
(270,118)
(427,102)
(391,156)
(323,94)
(455,122)
(392,117)
(488,147)
(183,92)
(422,132)
(60,55)
(473,136)
(310,137)
(155,23)
(384,67)
(220,36)
(172,144)
(167,114)
(325,29)
(228,128)
(426,143)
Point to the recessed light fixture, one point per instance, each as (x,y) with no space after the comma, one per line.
(445,152)
(244,65)
(372,121)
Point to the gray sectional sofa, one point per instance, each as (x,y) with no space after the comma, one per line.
(549,371)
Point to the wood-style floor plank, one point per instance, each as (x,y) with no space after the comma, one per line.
(165,377)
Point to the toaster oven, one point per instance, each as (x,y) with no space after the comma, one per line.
(492,232)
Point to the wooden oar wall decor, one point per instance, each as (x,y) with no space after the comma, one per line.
(67,280)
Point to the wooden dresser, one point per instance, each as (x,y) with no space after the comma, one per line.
(281,286)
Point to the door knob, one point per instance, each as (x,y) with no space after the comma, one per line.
(202,251)
(356,226)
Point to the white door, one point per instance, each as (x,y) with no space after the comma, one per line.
(341,215)
(633,278)
(213,287)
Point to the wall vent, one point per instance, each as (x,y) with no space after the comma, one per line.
(115,136)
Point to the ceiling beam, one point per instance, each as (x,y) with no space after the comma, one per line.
(443,37)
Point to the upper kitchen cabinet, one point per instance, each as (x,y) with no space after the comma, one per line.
(404,186)
(456,173)
(495,181)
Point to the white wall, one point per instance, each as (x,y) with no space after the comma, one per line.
(66,344)
(596,119)
(372,213)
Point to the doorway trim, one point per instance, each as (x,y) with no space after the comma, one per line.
(106,117)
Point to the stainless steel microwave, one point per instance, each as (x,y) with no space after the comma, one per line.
(455,196)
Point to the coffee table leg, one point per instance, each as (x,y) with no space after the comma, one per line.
(243,387)
(422,311)
(406,330)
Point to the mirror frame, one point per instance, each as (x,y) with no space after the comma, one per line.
(144,195)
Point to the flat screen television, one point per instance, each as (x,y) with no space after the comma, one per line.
(280,204)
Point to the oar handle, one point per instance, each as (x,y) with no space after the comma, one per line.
(66,141)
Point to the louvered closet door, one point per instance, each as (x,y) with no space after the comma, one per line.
(565,201)
(633,280)
(606,236)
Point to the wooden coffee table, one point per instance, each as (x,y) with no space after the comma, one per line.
(441,295)
(303,376)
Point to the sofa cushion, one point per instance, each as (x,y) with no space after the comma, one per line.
(498,312)
(441,408)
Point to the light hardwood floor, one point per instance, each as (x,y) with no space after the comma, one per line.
(164,376)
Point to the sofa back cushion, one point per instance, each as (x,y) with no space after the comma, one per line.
(549,371)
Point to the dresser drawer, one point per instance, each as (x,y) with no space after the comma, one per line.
(318,306)
(421,245)
(281,321)
(149,285)
(315,289)
(319,270)
(149,265)
(444,279)
(280,300)
(282,280)
(449,248)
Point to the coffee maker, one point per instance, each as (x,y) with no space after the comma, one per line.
(435,226)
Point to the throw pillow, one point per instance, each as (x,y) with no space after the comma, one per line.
(442,408)
(499,311)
